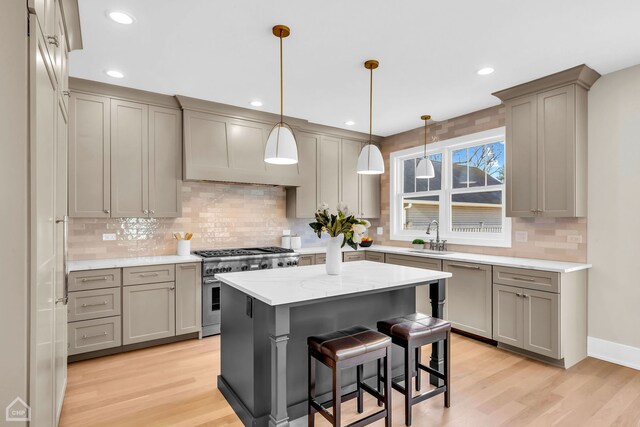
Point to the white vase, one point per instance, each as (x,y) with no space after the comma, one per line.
(334,255)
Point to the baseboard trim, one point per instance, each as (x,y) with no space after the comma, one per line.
(613,352)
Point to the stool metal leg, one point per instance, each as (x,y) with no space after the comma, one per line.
(358,385)
(447,370)
(337,394)
(379,380)
(387,387)
(311,375)
(418,354)
(408,371)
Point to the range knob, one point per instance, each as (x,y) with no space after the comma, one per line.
(264,266)
(208,271)
(294,262)
(244,267)
(228,269)
(216,270)
(281,264)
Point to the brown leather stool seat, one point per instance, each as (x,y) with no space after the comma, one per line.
(411,332)
(347,348)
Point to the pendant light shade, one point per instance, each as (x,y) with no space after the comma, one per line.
(370,161)
(281,148)
(425,169)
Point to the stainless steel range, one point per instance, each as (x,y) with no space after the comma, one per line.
(231,260)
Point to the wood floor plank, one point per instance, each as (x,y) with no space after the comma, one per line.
(175,385)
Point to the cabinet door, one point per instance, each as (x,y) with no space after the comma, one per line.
(307,260)
(45,12)
(148,312)
(205,145)
(353,256)
(469,297)
(556,152)
(374,256)
(302,201)
(188,298)
(508,309)
(542,323)
(129,159)
(57,46)
(329,172)
(89,156)
(350,180)
(165,162)
(423,301)
(522,157)
(370,196)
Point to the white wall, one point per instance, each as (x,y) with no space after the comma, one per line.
(614,217)
(13,205)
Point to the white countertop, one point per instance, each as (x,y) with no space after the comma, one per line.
(283,286)
(96,264)
(529,263)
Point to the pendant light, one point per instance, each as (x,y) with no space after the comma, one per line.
(281,148)
(370,161)
(425,166)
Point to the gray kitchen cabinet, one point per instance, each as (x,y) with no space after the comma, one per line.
(89,156)
(508,319)
(353,256)
(148,274)
(527,319)
(541,322)
(165,162)
(321,258)
(93,335)
(129,159)
(370,196)
(205,145)
(94,279)
(349,178)
(188,298)
(469,297)
(374,256)
(148,312)
(45,10)
(302,201)
(94,304)
(329,171)
(309,259)
(546,144)
(423,303)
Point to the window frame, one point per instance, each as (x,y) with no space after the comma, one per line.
(446,148)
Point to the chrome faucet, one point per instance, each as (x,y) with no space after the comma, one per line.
(437,245)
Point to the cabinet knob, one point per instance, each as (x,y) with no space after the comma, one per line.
(518,294)
(145,211)
(152,211)
(53,40)
(66,93)
(107,211)
(171,289)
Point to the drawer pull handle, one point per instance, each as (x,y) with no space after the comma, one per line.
(470,267)
(518,294)
(93,305)
(86,337)
(524,279)
(526,295)
(148,274)
(94,279)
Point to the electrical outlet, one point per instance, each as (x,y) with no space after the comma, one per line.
(522,236)
(379,231)
(109,236)
(574,238)
(286,232)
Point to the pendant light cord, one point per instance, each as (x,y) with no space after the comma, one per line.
(281,82)
(425,139)
(370,117)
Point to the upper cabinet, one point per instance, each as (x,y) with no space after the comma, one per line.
(302,201)
(546,141)
(125,158)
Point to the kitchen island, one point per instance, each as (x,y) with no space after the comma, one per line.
(267,316)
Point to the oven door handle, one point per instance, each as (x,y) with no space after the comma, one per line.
(209,281)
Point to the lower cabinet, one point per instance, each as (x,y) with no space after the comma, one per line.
(469,297)
(353,256)
(527,319)
(92,335)
(309,259)
(188,298)
(321,258)
(148,312)
(374,256)
(423,302)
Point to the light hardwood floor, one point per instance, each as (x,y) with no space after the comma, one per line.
(175,385)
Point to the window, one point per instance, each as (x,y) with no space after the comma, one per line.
(466,195)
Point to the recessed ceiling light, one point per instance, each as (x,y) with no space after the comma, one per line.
(485,71)
(256,103)
(115,74)
(349,123)
(121,17)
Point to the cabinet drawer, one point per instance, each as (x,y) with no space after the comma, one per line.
(414,261)
(530,279)
(94,279)
(148,274)
(353,256)
(321,258)
(307,260)
(85,305)
(374,256)
(92,335)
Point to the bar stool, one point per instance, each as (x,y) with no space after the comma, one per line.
(411,333)
(345,349)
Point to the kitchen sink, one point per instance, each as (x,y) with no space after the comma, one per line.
(430,252)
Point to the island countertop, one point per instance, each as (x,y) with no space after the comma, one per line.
(283,286)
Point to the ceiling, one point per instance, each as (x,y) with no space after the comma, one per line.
(429,52)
